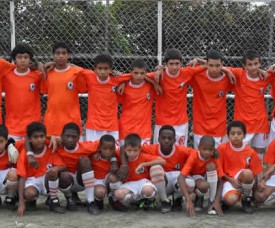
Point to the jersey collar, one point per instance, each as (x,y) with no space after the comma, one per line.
(136,86)
(72,151)
(252,79)
(21,74)
(62,70)
(41,154)
(237,149)
(169,155)
(103,82)
(171,75)
(215,79)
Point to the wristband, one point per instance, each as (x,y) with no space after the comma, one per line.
(30,153)
(113,159)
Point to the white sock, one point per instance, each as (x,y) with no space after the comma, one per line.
(247,189)
(212,179)
(53,188)
(88,180)
(157,178)
(11,188)
(113,188)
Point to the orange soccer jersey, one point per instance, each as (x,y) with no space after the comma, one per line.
(269,157)
(102,102)
(174,161)
(196,166)
(132,165)
(209,104)
(136,115)
(71,157)
(249,101)
(232,160)
(5,67)
(171,107)
(63,106)
(22,101)
(46,160)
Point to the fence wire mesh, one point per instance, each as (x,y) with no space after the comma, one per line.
(129,29)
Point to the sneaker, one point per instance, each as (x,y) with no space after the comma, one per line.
(247,205)
(92,208)
(198,203)
(118,206)
(100,204)
(147,204)
(165,207)
(76,198)
(10,203)
(71,204)
(31,206)
(211,211)
(55,206)
(177,204)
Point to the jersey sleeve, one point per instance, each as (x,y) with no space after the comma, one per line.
(22,164)
(123,78)
(147,149)
(20,145)
(191,71)
(151,75)
(81,81)
(186,170)
(149,157)
(91,147)
(219,168)
(269,157)
(255,164)
(5,67)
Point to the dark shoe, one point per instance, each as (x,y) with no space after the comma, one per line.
(76,198)
(10,203)
(31,206)
(147,204)
(92,208)
(165,207)
(118,206)
(198,203)
(48,201)
(55,206)
(71,204)
(100,204)
(247,205)
(177,204)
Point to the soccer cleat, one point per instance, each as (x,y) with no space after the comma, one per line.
(165,207)
(71,204)
(100,204)
(247,205)
(211,211)
(198,203)
(177,204)
(92,208)
(77,199)
(147,204)
(31,206)
(48,201)
(10,202)
(118,206)
(55,206)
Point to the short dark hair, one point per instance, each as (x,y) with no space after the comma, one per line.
(22,49)
(71,126)
(103,58)
(35,127)
(236,123)
(212,54)
(60,44)
(132,140)
(172,54)
(167,127)
(138,63)
(107,138)
(209,140)
(4,131)
(251,54)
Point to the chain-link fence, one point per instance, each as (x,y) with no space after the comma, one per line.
(129,29)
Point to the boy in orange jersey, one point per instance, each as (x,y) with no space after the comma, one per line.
(209,100)
(26,84)
(62,85)
(101,164)
(171,106)
(241,165)
(175,157)
(137,101)
(137,185)
(203,162)
(249,101)
(44,178)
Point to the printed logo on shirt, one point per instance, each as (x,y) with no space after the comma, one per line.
(248,159)
(32,87)
(221,93)
(261,91)
(148,96)
(141,170)
(182,84)
(70,85)
(114,89)
(177,166)
(49,166)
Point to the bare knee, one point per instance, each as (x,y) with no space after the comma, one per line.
(100,192)
(84,164)
(202,186)
(148,191)
(231,199)
(12,175)
(112,179)
(210,166)
(246,176)
(121,193)
(30,193)
(65,180)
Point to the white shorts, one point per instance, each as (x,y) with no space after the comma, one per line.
(38,183)
(137,186)
(16,138)
(272,131)
(181,134)
(143,142)
(76,186)
(271,181)
(101,181)
(3,175)
(218,140)
(227,186)
(93,135)
(259,140)
(172,180)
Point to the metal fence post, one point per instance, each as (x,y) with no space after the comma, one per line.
(159,32)
(271,30)
(12,21)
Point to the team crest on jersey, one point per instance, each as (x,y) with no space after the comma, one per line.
(248,159)
(32,87)
(182,84)
(49,166)
(114,89)
(221,93)
(141,170)
(261,91)
(177,166)
(70,85)
(148,96)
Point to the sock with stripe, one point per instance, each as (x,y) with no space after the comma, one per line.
(53,188)
(212,179)
(157,178)
(88,180)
